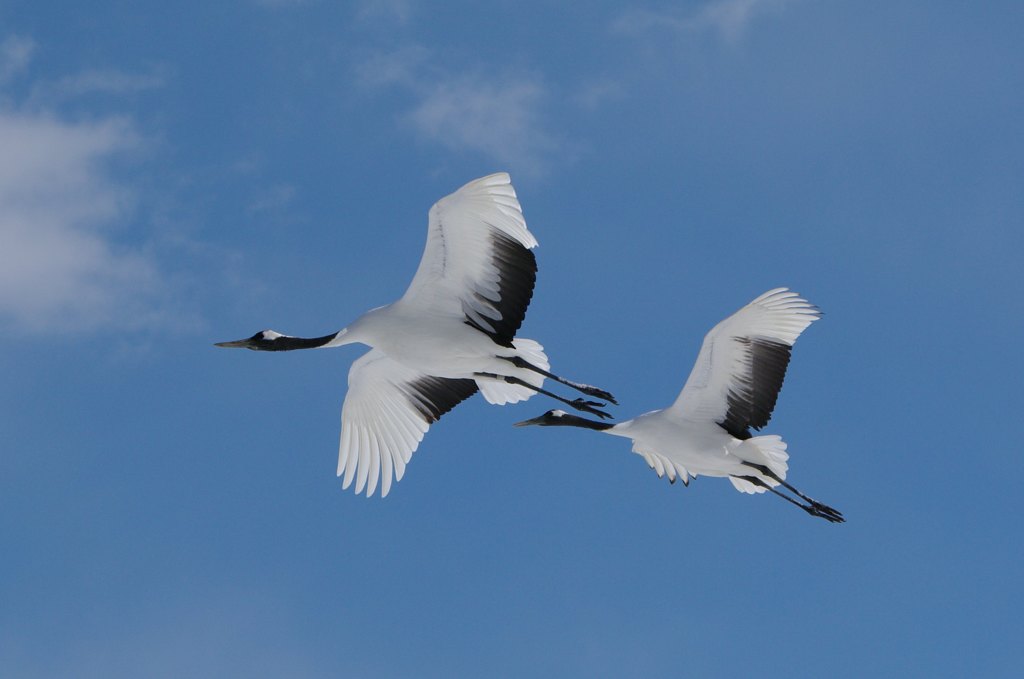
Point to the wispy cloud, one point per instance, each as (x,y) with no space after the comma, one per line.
(59,269)
(592,95)
(730,19)
(392,10)
(15,54)
(496,114)
(92,81)
(500,119)
(62,268)
(402,67)
(272,199)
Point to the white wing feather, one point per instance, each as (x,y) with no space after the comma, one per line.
(778,315)
(662,464)
(380,427)
(458,259)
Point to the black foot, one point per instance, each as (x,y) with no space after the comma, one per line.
(589,407)
(824,512)
(599,393)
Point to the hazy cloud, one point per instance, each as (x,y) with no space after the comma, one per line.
(94,82)
(15,54)
(592,95)
(728,18)
(274,198)
(392,10)
(498,119)
(403,67)
(496,114)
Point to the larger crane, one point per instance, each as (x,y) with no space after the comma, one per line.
(451,334)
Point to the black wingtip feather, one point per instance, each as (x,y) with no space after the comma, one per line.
(432,397)
(517,267)
(752,401)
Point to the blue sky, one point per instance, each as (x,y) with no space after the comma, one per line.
(174,174)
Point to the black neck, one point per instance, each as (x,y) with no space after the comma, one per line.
(568,420)
(286,343)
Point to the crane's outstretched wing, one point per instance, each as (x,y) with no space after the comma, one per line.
(743,361)
(388,409)
(663,465)
(477,263)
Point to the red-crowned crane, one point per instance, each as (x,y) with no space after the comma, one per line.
(451,334)
(731,389)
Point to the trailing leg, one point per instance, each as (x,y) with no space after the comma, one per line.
(520,362)
(579,403)
(816,509)
(820,506)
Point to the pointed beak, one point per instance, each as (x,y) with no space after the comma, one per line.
(527,423)
(237,344)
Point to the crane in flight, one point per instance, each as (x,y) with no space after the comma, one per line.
(731,390)
(450,335)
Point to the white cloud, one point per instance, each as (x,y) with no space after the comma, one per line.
(58,268)
(62,268)
(499,119)
(498,115)
(728,18)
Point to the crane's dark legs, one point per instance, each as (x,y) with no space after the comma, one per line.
(814,508)
(820,506)
(520,362)
(579,403)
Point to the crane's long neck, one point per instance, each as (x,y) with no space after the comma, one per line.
(271,340)
(569,420)
(288,343)
(560,418)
